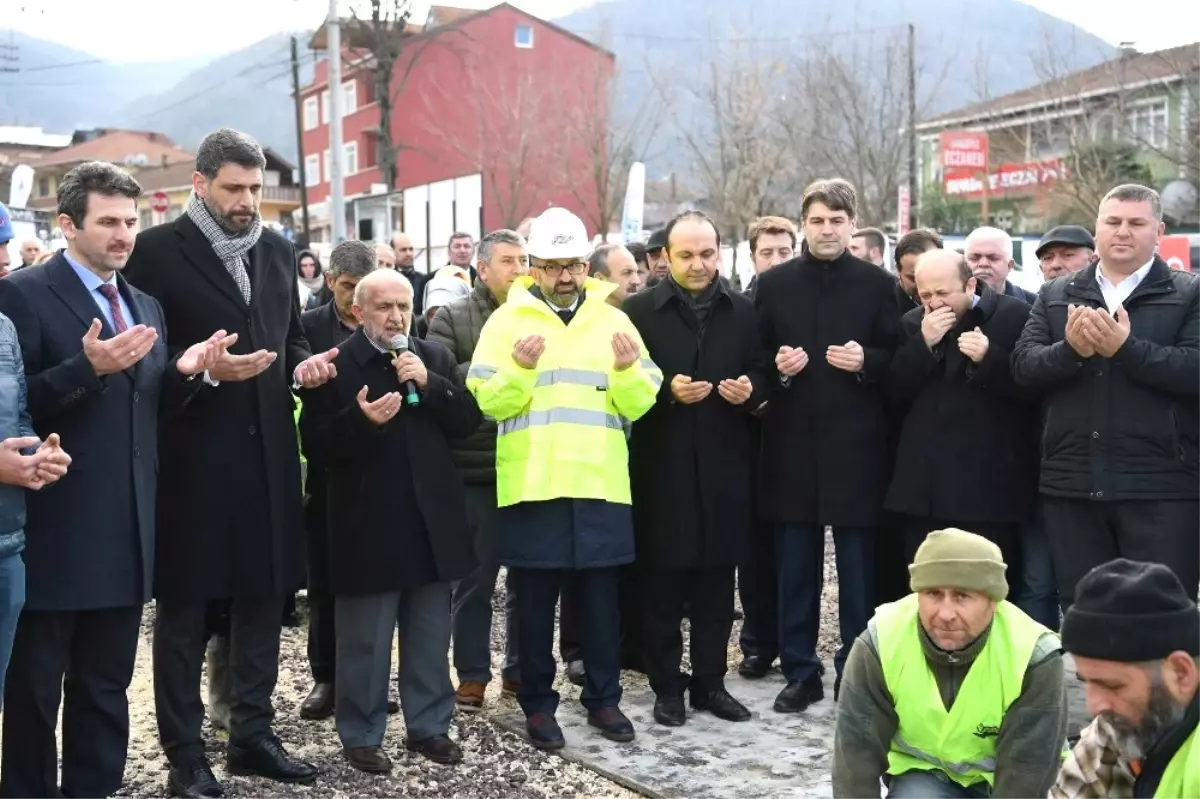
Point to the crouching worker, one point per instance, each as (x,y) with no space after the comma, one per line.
(951,691)
(1135,637)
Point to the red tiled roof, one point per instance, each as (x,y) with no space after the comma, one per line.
(116,145)
(1127,70)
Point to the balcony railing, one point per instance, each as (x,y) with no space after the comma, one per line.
(282,194)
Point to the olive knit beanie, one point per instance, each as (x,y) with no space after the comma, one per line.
(957,559)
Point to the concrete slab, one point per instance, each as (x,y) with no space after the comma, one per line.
(772,755)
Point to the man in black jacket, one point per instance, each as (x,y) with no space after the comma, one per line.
(325,328)
(831,323)
(1116,348)
(690,468)
(398,526)
(989,252)
(967,455)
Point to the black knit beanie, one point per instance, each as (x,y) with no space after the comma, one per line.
(1130,611)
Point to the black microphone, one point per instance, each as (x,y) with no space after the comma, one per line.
(400,346)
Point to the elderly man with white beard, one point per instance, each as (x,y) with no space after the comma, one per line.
(397,521)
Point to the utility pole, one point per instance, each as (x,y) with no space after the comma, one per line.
(300,138)
(337,204)
(912,127)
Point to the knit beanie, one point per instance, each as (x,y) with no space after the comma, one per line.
(954,558)
(1130,611)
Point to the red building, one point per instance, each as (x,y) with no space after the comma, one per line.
(498,115)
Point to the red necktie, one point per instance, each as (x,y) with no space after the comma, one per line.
(110,293)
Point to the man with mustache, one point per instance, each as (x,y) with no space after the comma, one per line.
(1135,637)
(989,253)
(952,692)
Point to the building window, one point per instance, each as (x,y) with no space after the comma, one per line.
(325,107)
(350,157)
(174,212)
(312,170)
(145,218)
(311,113)
(1148,123)
(523,36)
(349,97)
(328,167)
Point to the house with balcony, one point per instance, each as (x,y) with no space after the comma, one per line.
(173,185)
(1053,149)
(497,115)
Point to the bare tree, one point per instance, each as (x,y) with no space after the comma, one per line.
(510,136)
(602,141)
(733,126)
(857,91)
(392,46)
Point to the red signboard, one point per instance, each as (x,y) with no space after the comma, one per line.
(1005,179)
(1176,251)
(963,149)
(160,202)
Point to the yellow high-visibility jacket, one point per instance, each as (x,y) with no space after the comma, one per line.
(560,431)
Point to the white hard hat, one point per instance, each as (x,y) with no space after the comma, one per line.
(558,234)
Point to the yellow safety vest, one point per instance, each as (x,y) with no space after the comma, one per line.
(960,742)
(1181,780)
(560,431)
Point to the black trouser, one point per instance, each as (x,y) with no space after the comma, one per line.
(891,563)
(322,640)
(1084,534)
(709,597)
(179,634)
(758,587)
(630,594)
(1004,535)
(570,619)
(537,592)
(86,659)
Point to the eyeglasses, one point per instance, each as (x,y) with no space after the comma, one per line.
(556,270)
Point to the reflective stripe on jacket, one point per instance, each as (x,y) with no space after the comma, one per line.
(961,742)
(560,426)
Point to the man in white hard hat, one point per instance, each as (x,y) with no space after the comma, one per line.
(561,371)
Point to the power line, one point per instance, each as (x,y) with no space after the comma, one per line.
(241,73)
(62,66)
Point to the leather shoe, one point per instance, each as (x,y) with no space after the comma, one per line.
(721,704)
(576,672)
(670,711)
(612,724)
(193,778)
(371,759)
(797,696)
(319,704)
(544,732)
(266,757)
(438,748)
(754,667)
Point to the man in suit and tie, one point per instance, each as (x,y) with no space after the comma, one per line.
(230,524)
(98,373)
(326,328)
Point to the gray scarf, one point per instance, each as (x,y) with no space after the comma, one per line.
(229,248)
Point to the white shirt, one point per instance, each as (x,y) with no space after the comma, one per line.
(1117,293)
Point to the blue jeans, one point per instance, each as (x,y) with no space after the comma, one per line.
(800,552)
(1038,594)
(12,599)
(932,785)
(472,600)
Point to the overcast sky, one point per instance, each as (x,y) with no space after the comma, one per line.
(143,30)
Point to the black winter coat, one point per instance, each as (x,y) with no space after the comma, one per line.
(1127,427)
(396,507)
(968,445)
(691,465)
(229,497)
(824,434)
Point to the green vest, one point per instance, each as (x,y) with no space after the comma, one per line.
(960,742)
(1181,780)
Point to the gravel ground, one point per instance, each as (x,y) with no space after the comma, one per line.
(496,763)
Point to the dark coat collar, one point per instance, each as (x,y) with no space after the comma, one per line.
(664,291)
(198,250)
(67,285)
